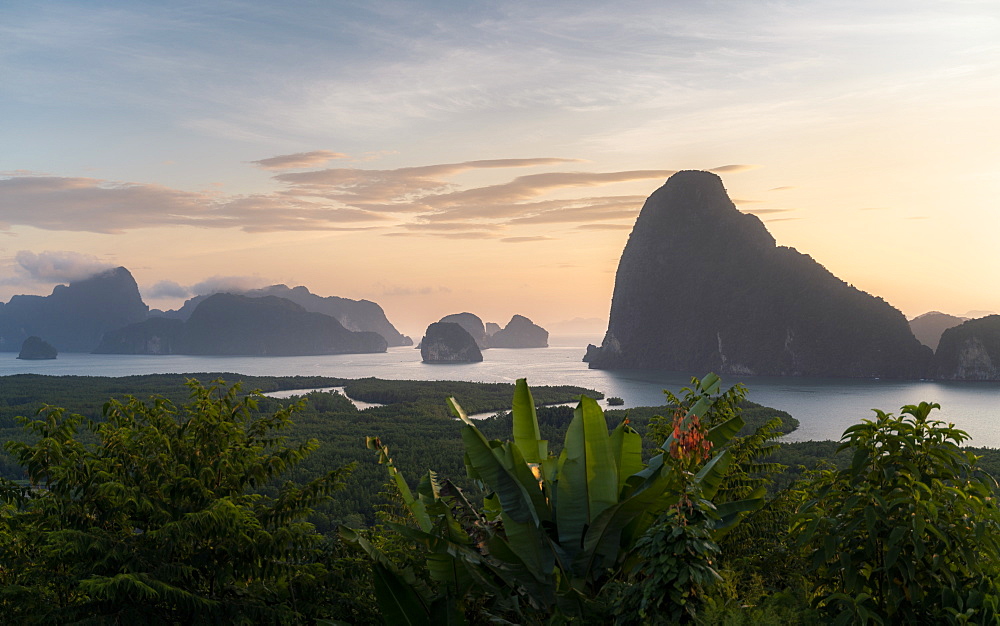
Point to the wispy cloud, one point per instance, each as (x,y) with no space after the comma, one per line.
(398,190)
(605,226)
(56,266)
(166,289)
(102,206)
(222,284)
(506,199)
(729,169)
(299,160)
(527,239)
(420,199)
(398,290)
(767,211)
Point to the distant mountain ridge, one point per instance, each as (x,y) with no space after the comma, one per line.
(928,328)
(105,313)
(234,325)
(356,315)
(703,287)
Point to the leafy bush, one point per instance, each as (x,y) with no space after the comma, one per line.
(910,532)
(160,520)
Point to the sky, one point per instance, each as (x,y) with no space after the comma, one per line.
(438,157)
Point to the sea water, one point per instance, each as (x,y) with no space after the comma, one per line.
(823,406)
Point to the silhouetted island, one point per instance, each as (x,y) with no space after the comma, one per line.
(230,324)
(354,315)
(702,287)
(449,342)
(37,349)
(520,332)
(472,324)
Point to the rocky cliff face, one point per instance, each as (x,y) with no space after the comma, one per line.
(703,287)
(227,324)
(520,332)
(354,315)
(449,342)
(970,351)
(75,317)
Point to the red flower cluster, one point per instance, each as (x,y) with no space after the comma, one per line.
(689,443)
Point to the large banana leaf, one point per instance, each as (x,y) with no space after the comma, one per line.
(398,601)
(626,444)
(525,425)
(710,476)
(588,478)
(518,465)
(515,498)
(730,513)
(722,433)
(624,522)
(396,590)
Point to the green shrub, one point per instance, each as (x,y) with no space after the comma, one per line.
(909,532)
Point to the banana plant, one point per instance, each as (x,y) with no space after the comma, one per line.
(553,530)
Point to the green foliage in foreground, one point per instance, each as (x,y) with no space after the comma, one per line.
(115,539)
(910,531)
(559,537)
(161,520)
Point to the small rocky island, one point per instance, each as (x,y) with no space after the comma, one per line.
(35,348)
(472,324)
(449,342)
(520,332)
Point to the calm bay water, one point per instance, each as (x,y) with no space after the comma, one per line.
(824,407)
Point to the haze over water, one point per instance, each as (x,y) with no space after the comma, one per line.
(823,406)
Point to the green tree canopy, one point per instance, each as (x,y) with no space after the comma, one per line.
(162,520)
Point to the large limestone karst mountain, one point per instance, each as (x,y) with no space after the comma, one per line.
(76,316)
(703,287)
